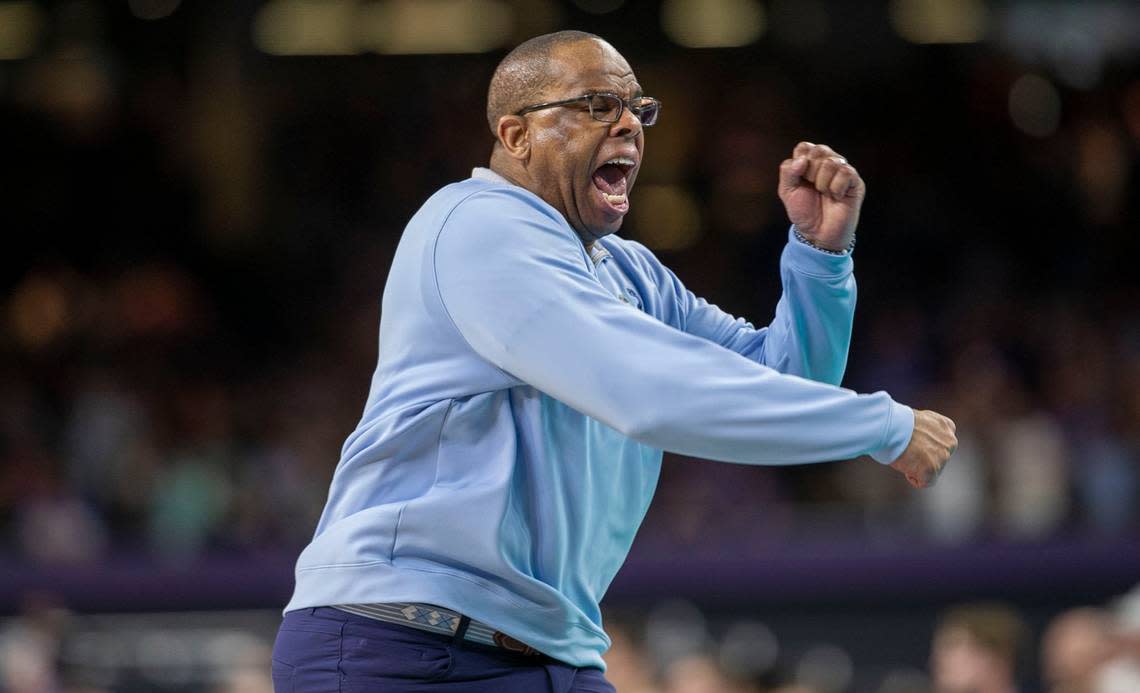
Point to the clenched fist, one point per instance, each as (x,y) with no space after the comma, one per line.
(931,445)
(823,194)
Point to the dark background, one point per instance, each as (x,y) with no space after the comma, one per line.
(197,233)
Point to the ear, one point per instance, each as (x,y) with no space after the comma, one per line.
(514,136)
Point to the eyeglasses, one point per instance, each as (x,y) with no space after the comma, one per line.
(608,107)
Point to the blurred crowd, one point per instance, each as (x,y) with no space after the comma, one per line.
(974,647)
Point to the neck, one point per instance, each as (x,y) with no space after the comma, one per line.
(508,167)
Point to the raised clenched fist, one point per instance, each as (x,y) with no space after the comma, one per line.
(822,194)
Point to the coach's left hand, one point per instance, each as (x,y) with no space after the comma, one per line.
(823,194)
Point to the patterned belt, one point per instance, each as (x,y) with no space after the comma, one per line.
(436,619)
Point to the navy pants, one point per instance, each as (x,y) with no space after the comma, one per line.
(327,649)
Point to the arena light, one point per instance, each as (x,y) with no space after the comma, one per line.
(348,27)
(940,21)
(1076,41)
(306,27)
(20,26)
(713,23)
(434,26)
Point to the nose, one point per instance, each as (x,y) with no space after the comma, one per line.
(628,125)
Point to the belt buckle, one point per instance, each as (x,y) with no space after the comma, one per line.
(508,643)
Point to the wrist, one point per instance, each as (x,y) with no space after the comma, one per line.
(897,432)
(799,236)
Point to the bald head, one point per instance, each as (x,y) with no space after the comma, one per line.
(526,73)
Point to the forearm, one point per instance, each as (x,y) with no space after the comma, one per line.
(811,333)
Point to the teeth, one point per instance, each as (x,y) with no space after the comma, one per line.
(621,161)
(614,199)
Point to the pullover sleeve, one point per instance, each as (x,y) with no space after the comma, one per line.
(516,283)
(810,335)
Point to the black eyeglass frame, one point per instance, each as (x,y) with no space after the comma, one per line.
(588,98)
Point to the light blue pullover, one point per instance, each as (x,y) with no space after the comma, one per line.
(525,390)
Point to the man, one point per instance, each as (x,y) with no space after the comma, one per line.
(976,648)
(532,368)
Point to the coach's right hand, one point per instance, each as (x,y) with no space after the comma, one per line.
(931,445)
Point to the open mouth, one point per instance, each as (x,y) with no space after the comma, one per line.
(612,181)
